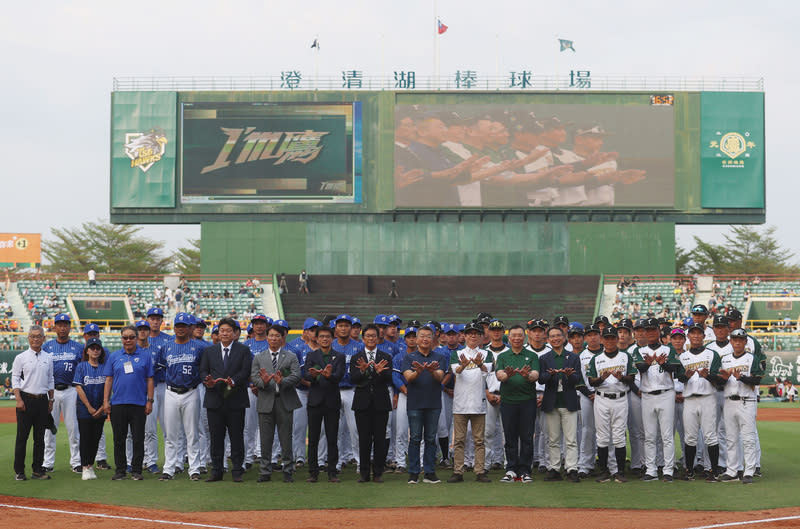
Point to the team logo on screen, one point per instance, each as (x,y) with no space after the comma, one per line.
(733,145)
(145,148)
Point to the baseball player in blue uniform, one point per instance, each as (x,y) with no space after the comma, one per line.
(66,354)
(157,338)
(92,330)
(301,346)
(180,359)
(399,401)
(348,445)
(258,343)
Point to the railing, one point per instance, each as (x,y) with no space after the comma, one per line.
(441,82)
(57,276)
(647,278)
(774,324)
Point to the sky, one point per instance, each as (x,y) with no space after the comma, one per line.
(59,59)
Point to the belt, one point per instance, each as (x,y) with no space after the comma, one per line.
(697,395)
(61,387)
(739,397)
(613,396)
(179,390)
(657,392)
(33,395)
(345,387)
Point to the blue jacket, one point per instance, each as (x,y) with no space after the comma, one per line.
(568,383)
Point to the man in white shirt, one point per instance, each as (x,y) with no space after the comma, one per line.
(33,386)
(470,367)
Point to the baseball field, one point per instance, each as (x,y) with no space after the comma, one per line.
(66,501)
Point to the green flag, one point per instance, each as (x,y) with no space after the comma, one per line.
(566,45)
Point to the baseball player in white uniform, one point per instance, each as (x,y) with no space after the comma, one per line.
(698,372)
(742,372)
(587,446)
(722,346)
(656,363)
(635,426)
(610,373)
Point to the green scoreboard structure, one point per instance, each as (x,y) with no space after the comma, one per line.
(437,182)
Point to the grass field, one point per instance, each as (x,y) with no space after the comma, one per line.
(780,460)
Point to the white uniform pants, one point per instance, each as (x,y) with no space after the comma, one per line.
(636,430)
(740,425)
(560,422)
(182,418)
(610,419)
(252,446)
(679,428)
(300,427)
(658,417)
(401,431)
(348,434)
(151,426)
(587,448)
(541,440)
(700,411)
(204,438)
(64,404)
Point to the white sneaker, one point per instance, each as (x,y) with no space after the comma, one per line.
(509,477)
(85,476)
(92,474)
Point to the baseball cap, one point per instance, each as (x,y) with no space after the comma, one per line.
(625,323)
(142,324)
(215,329)
(436,325)
(200,322)
(695,327)
(738,333)
(473,327)
(356,321)
(734,315)
(663,321)
(311,323)
(700,309)
(155,311)
(484,316)
(431,327)
(380,319)
(592,327)
(249,328)
(677,330)
(182,318)
(447,328)
(414,323)
(236,324)
(720,321)
(602,319)
(93,341)
(525,122)
(394,319)
(281,323)
(344,317)
(62,317)
(459,327)
(688,321)
(561,319)
(639,324)
(610,331)
(91,327)
(496,324)
(411,330)
(555,123)
(593,129)
(537,324)
(650,323)
(575,328)
(261,317)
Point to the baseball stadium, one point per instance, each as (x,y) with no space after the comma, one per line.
(423,244)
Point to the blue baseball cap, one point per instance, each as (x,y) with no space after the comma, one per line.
(215,329)
(356,321)
(200,322)
(311,323)
(61,316)
(182,318)
(332,324)
(394,319)
(459,327)
(93,341)
(429,326)
(236,324)
(281,323)
(344,317)
(447,328)
(575,327)
(261,317)
(688,321)
(155,311)
(142,323)
(411,330)
(91,327)
(249,328)
(381,319)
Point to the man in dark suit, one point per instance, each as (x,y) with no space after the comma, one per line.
(276,372)
(371,372)
(560,372)
(324,369)
(225,371)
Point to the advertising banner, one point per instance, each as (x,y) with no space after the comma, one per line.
(20,250)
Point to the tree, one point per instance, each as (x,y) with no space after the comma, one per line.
(682,259)
(107,248)
(746,250)
(187,260)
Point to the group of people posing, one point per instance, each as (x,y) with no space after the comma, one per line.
(556,398)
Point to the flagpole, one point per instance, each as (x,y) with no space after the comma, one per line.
(316,66)
(558,61)
(435,44)
(383,60)
(497,55)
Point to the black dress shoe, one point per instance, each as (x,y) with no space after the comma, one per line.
(363,479)
(213,478)
(264,477)
(237,478)
(288,477)
(378,478)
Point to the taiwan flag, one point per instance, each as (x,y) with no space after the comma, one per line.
(441,27)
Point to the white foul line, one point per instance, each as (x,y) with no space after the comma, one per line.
(748,522)
(150,520)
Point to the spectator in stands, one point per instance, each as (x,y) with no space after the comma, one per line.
(303,280)
(658,299)
(92,277)
(178,296)
(7,385)
(789,392)
(757,280)
(282,286)
(393,292)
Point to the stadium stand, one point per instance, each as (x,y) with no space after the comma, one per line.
(659,297)
(452,299)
